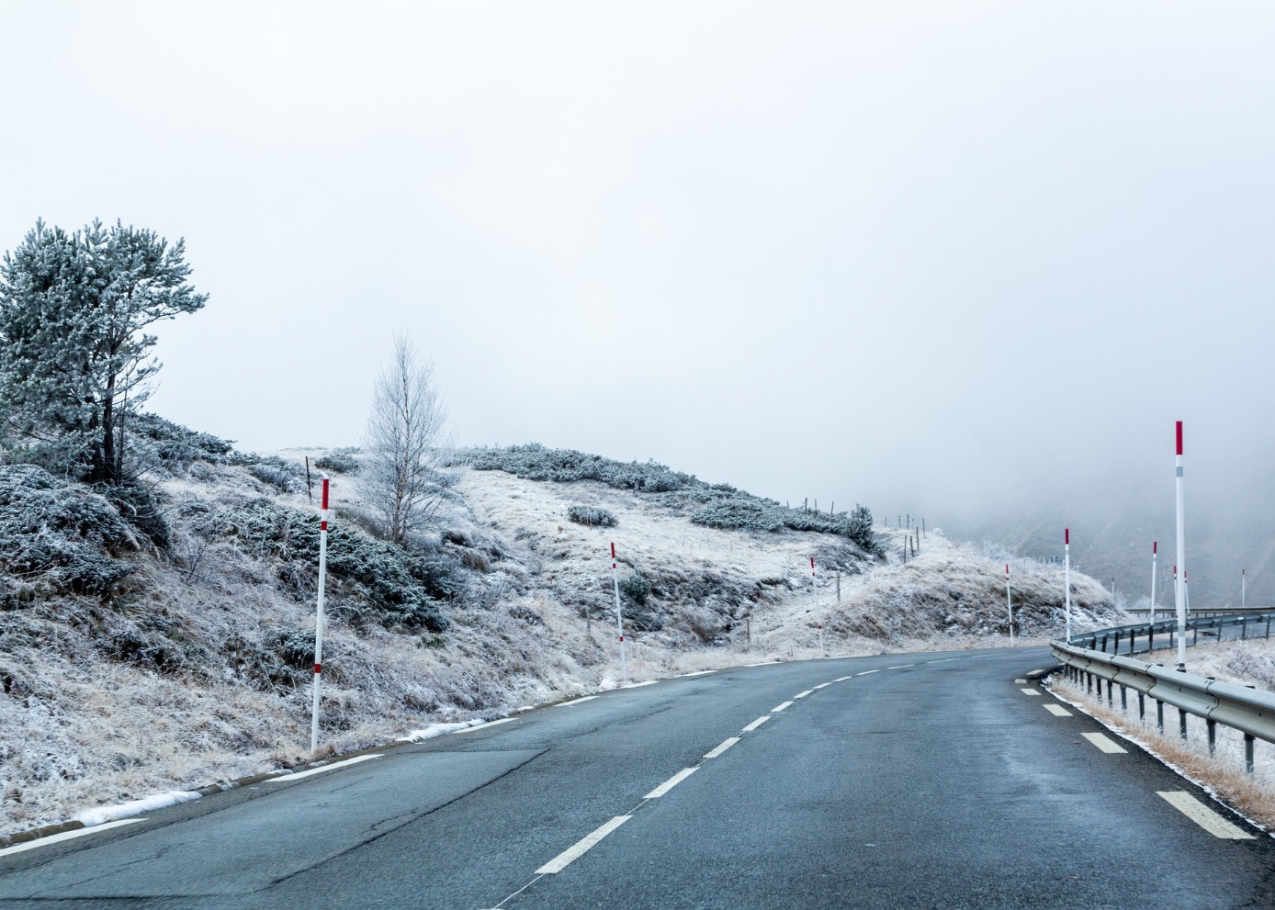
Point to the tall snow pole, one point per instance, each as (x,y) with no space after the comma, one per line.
(318,622)
(814,594)
(1067,575)
(1243,589)
(1009,602)
(619,618)
(1179,589)
(1155,552)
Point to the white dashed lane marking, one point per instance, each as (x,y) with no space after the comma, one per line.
(1203,816)
(778,708)
(901,667)
(757,723)
(723,747)
(822,686)
(942,660)
(842,678)
(1029,691)
(581,847)
(1058,710)
(865,672)
(802,694)
(671,783)
(68,835)
(1104,744)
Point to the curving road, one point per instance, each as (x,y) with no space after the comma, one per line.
(918,781)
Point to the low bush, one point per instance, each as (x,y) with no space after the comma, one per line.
(341,461)
(591,517)
(636,588)
(60,534)
(396,586)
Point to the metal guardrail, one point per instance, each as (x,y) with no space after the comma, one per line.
(1238,707)
(1203,611)
(1140,638)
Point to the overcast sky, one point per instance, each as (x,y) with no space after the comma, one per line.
(939,257)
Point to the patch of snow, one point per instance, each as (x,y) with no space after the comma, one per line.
(104,814)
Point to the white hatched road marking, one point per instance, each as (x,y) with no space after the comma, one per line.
(757,723)
(286,778)
(802,694)
(723,747)
(68,835)
(671,783)
(577,701)
(1058,710)
(1203,816)
(778,708)
(1029,691)
(1103,743)
(1019,682)
(581,847)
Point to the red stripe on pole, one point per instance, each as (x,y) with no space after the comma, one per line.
(318,668)
(1155,547)
(1179,437)
(323,525)
(325,493)
(1067,535)
(613,549)
(812,562)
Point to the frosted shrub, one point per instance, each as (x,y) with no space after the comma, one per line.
(342,461)
(60,534)
(591,517)
(636,588)
(396,594)
(535,462)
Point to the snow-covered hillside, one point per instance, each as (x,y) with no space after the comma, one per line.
(139,656)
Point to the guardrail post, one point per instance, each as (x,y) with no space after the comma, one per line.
(1150,638)
(1182,724)
(1243,629)
(1248,753)
(1142,707)
(1195,637)
(1212,726)
(1159,715)
(1170,639)
(1110,694)
(1268,627)
(1104,644)
(1124,698)
(1088,683)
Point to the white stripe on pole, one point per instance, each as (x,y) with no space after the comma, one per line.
(318,621)
(619,618)
(1179,591)
(1009,602)
(1155,547)
(1067,575)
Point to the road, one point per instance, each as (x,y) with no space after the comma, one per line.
(918,781)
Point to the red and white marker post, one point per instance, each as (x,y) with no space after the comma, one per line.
(1179,588)
(1243,589)
(1067,575)
(619,619)
(1155,548)
(318,623)
(1009,602)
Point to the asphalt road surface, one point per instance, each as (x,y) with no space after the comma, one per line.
(918,781)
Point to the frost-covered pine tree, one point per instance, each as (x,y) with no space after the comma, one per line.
(406,437)
(74,354)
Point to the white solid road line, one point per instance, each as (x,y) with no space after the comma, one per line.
(1058,710)
(901,667)
(757,723)
(288,778)
(490,723)
(645,682)
(779,708)
(68,835)
(1029,691)
(865,672)
(802,694)
(765,663)
(696,673)
(1104,744)
(671,783)
(1203,816)
(581,847)
(723,747)
(568,704)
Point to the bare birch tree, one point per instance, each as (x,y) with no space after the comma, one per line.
(406,437)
